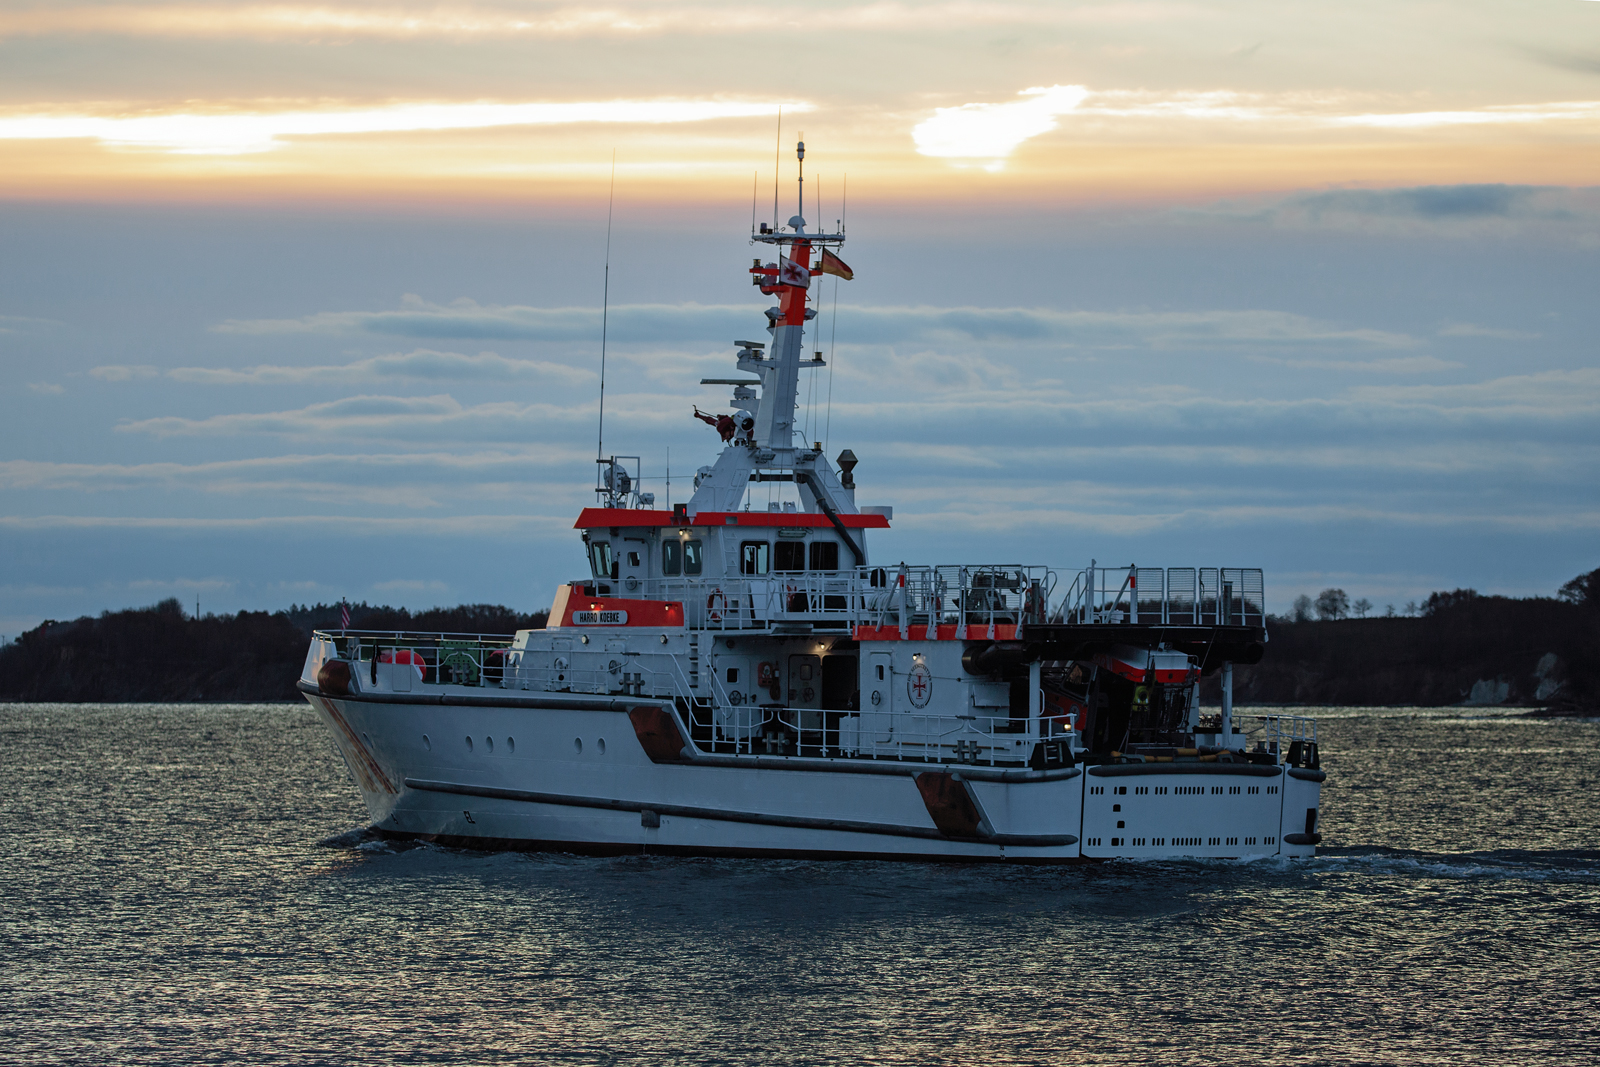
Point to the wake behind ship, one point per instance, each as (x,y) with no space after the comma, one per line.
(732,681)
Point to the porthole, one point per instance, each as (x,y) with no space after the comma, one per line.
(488,744)
(600,746)
(577,745)
(469,744)
(511,744)
(426,743)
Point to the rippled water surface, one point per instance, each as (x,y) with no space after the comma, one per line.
(191,884)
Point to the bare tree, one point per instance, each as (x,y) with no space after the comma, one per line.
(1584,589)
(1411,609)
(1388,611)
(1333,604)
(1302,610)
(1362,607)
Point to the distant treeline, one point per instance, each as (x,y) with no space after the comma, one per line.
(465,619)
(160,654)
(1462,648)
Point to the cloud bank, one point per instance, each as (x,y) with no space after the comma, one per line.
(1481,209)
(242,132)
(619,18)
(420,365)
(867,324)
(993,131)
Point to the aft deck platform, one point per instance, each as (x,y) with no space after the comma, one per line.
(1211,645)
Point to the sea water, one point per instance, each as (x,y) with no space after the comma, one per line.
(194,884)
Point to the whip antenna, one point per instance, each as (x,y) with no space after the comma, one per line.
(833,333)
(605,307)
(833,336)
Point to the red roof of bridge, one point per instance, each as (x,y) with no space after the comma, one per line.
(596,517)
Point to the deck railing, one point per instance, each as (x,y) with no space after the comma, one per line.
(1171,596)
(772,729)
(906,597)
(440,658)
(403,662)
(1278,732)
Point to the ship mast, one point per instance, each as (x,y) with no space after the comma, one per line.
(789,279)
(767,444)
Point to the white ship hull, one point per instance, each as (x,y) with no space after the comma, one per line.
(579,779)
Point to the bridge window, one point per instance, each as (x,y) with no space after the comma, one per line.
(671,557)
(754,557)
(693,557)
(824,555)
(789,556)
(600,559)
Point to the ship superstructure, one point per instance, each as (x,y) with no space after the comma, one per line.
(730,679)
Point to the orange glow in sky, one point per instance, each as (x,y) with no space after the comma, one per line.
(1013,100)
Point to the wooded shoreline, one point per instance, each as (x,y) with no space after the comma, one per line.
(161,655)
(1538,653)
(1489,651)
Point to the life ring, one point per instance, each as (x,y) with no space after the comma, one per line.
(1033,603)
(716,604)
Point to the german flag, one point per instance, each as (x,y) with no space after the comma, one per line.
(832,264)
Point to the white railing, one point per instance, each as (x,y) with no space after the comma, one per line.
(717,724)
(1172,596)
(906,597)
(772,729)
(921,599)
(445,658)
(1282,735)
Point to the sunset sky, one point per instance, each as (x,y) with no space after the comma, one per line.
(302,301)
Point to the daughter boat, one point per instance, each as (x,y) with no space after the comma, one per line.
(735,681)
